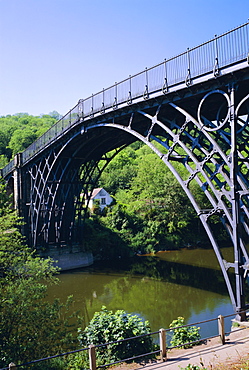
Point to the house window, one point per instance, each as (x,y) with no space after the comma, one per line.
(103,201)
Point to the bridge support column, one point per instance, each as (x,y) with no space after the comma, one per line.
(18,184)
(238,262)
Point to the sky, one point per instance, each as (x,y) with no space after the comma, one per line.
(55,52)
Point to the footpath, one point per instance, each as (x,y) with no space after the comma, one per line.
(212,353)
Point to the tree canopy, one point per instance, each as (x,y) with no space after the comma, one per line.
(30,326)
(151,211)
(18,131)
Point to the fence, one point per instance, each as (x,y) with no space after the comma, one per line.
(209,57)
(162,340)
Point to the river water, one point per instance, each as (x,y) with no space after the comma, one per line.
(159,288)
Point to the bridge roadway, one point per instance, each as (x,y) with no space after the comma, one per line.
(191,110)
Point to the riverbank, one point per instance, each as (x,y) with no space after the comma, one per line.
(70,259)
(73,261)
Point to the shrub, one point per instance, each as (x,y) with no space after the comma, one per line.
(107,326)
(183,335)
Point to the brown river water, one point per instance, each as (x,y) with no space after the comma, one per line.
(159,288)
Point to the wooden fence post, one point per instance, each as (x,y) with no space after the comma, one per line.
(12,366)
(221,328)
(92,356)
(162,341)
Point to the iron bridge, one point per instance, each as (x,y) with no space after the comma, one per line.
(191,110)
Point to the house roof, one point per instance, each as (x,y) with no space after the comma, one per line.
(95,192)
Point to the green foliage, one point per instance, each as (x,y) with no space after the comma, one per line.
(77,361)
(30,327)
(151,213)
(183,335)
(107,326)
(4,199)
(3,161)
(96,207)
(103,242)
(120,172)
(157,195)
(17,132)
(151,210)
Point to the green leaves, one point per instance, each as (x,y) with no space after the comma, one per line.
(26,319)
(183,335)
(17,132)
(152,212)
(120,172)
(107,326)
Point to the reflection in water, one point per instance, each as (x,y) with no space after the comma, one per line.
(159,289)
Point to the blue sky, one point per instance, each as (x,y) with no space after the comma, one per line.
(55,52)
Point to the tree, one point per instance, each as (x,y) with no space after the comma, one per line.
(3,142)
(107,326)
(55,115)
(152,211)
(21,139)
(120,172)
(30,327)
(17,132)
(3,160)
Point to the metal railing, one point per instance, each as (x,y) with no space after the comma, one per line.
(162,350)
(209,57)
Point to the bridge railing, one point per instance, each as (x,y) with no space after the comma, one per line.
(226,49)
(164,341)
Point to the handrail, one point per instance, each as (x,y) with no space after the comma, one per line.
(135,337)
(209,57)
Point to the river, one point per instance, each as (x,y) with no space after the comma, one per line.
(187,283)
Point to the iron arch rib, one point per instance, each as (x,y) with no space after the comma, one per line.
(201,136)
(59,183)
(217,172)
(206,156)
(198,125)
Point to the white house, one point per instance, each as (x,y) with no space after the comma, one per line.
(102,196)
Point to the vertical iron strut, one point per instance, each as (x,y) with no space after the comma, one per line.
(197,125)
(235,200)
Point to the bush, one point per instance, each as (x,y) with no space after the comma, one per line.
(183,334)
(30,326)
(107,326)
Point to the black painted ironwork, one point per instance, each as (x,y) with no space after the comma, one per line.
(192,111)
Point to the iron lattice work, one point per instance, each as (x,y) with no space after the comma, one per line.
(191,110)
(201,135)
(208,137)
(56,191)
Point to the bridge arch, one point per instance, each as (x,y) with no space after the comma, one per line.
(176,134)
(199,123)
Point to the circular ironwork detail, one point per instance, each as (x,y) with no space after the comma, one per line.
(237,114)
(218,126)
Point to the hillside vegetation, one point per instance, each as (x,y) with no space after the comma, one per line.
(150,211)
(17,132)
